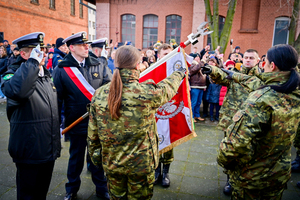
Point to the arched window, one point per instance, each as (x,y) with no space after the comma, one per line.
(281,30)
(173,28)
(221,26)
(150,30)
(128,29)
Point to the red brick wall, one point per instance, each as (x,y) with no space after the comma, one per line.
(262,39)
(20,17)
(139,8)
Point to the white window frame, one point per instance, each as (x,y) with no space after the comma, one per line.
(281,18)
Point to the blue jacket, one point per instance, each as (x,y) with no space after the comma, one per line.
(111,65)
(58,56)
(213,93)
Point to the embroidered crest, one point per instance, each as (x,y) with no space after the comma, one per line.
(41,37)
(177,65)
(169,110)
(83,35)
(161,139)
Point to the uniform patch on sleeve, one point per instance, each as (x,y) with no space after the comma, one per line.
(59,60)
(8,76)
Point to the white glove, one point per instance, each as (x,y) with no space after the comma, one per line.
(37,54)
(104,52)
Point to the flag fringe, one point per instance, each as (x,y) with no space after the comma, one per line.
(178,142)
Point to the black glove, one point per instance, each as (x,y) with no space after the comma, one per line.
(182,70)
(229,73)
(206,69)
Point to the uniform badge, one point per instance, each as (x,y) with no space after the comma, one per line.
(7,77)
(177,65)
(59,60)
(95,75)
(83,35)
(41,38)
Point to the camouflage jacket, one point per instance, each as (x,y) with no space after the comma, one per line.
(257,149)
(129,144)
(235,96)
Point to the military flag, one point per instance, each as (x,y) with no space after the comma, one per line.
(173,119)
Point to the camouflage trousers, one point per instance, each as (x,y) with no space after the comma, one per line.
(264,194)
(130,186)
(167,158)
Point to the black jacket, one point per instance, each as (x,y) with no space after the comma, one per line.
(3,64)
(32,111)
(12,59)
(68,93)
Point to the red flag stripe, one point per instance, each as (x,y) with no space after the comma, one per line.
(77,82)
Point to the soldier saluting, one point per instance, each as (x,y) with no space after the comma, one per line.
(76,78)
(32,110)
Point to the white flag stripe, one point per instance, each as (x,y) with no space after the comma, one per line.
(84,82)
(161,61)
(163,130)
(186,111)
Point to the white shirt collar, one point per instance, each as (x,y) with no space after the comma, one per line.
(78,61)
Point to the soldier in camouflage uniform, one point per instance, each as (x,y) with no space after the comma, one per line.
(236,93)
(122,133)
(256,151)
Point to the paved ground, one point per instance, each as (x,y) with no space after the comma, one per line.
(194,174)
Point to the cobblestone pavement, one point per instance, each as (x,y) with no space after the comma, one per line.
(194,173)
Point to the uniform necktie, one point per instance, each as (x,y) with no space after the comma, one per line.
(81,64)
(81,69)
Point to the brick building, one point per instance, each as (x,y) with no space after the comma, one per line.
(56,18)
(257,23)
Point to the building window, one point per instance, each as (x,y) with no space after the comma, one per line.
(73,7)
(281,30)
(52,4)
(80,10)
(128,29)
(221,26)
(1,36)
(94,27)
(150,30)
(173,28)
(90,37)
(35,2)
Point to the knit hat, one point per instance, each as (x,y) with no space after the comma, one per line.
(59,42)
(16,49)
(229,62)
(5,41)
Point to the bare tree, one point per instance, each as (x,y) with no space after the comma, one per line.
(213,19)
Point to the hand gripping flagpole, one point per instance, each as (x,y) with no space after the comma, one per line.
(192,39)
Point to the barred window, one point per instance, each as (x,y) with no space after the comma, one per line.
(52,4)
(173,28)
(150,30)
(80,11)
(128,29)
(72,7)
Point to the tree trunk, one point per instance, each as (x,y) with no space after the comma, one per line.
(209,17)
(225,34)
(215,38)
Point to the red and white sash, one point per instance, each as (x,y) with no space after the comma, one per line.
(79,80)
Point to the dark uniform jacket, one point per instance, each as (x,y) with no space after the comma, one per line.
(58,56)
(32,111)
(68,93)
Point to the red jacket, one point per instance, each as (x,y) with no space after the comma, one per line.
(222,95)
(49,64)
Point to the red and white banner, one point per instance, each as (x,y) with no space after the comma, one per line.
(79,80)
(173,119)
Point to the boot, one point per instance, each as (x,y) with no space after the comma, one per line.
(157,174)
(297,160)
(165,176)
(212,118)
(227,188)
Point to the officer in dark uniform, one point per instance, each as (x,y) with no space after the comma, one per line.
(59,52)
(32,110)
(98,49)
(79,66)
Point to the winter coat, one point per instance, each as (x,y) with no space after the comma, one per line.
(197,79)
(58,56)
(75,102)
(222,95)
(12,60)
(32,111)
(213,93)
(3,64)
